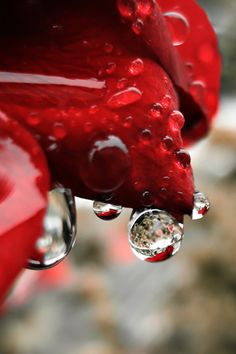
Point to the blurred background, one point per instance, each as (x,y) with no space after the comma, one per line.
(102,300)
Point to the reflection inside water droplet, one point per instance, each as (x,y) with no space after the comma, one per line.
(201,205)
(106,211)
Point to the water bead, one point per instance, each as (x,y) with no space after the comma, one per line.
(183,158)
(145,137)
(147,199)
(154,235)
(104,165)
(201,205)
(108,48)
(166,101)
(106,211)
(167,143)
(178,26)
(137,26)
(136,67)
(156,111)
(59,231)
(110,68)
(198,91)
(177,120)
(59,131)
(33,119)
(124,98)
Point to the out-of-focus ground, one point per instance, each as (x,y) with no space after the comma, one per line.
(107,302)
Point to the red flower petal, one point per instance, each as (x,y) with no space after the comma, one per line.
(100,106)
(23,191)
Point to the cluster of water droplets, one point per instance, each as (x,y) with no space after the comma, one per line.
(59,233)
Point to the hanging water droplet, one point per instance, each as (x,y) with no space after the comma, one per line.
(154,235)
(106,211)
(178,26)
(183,158)
(201,206)
(59,231)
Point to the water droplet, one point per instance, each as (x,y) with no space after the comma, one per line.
(183,158)
(156,111)
(145,137)
(136,67)
(147,199)
(93,109)
(110,68)
(33,119)
(206,53)
(59,131)
(201,205)
(145,7)
(137,26)
(177,120)
(166,102)
(59,231)
(106,211)
(127,8)
(124,98)
(168,143)
(128,122)
(198,91)
(104,167)
(178,26)
(154,235)
(108,48)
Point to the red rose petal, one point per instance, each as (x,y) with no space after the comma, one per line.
(23,191)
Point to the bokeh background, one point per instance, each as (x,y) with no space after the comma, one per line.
(104,301)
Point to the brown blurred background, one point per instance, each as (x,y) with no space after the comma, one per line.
(104,301)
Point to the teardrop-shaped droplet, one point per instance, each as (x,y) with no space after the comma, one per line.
(59,231)
(106,211)
(201,205)
(178,26)
(154,235)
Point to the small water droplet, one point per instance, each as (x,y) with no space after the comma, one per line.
(93,109)
(168,143)
(106,211)
(156,111)
(183,158)
(147,199)
(154,235)
(166,102)
(136,67)
(33,119)
(127,8)
(198,91)
(177,120)
(201,205)
(128,122)
(137,26)
(105,165)
(110,68)
(59,131)
(59,231)
(145,137)
(178,26)
(108,48)
(124,98)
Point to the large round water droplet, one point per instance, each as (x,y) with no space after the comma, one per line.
(105,165)
(59,231)
(201,205)
(154,235)
(106,211)
(178,26)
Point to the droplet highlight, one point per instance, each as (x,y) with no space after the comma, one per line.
(178,27)
(124,98)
